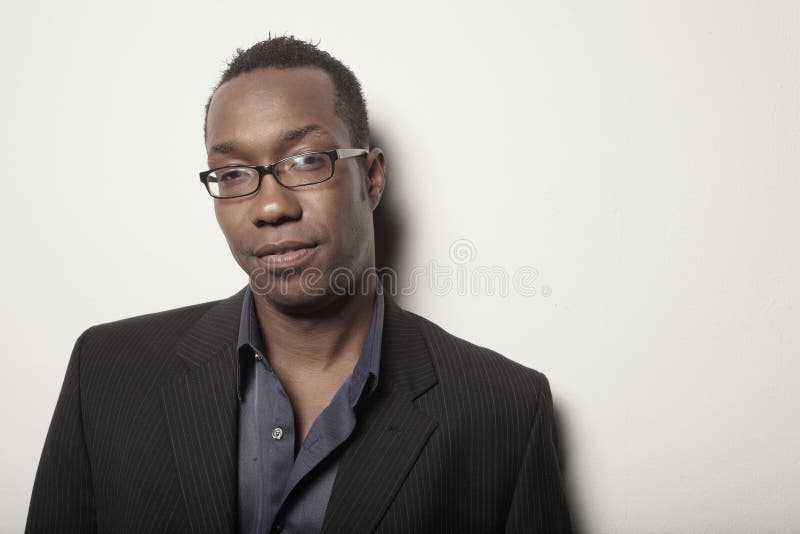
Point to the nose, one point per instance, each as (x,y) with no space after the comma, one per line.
(274,203)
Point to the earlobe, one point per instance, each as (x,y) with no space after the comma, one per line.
(375,198)
(376,176)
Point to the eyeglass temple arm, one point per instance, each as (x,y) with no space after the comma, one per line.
(350,152)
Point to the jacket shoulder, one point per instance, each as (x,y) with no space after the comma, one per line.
(156,328)
(145,345)
(473,370)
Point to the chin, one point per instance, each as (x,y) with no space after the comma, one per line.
(292,291)
(294,299)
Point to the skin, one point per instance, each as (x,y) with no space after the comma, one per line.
(312,340)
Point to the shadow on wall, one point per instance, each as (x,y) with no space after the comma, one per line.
(390,234)
(387,217)
(564,446)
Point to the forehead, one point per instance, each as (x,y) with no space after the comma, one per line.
(258,107)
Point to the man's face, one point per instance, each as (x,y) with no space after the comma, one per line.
(260,117)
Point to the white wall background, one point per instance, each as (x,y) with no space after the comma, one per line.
(642,156)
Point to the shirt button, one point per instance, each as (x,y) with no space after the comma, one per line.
(278,528)
(277,433)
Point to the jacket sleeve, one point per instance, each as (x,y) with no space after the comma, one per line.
(62,499)
(539,503)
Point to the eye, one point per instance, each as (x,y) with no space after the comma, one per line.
(308,162)
(228,175)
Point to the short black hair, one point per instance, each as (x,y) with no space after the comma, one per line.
(286,52)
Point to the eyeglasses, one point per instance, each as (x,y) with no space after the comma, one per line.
(308,168)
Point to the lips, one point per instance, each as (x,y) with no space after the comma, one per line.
(282,247)
(285,253)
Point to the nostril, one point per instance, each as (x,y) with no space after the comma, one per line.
(261,221)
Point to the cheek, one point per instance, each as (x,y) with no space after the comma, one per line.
(226,221)
(221,218)
(336,214)
(352,225)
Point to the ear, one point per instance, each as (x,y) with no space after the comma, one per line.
(376,176)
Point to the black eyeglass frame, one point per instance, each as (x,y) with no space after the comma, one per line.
(336,154)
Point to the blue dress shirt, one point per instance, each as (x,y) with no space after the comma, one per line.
(278,491)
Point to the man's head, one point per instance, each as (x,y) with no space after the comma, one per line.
(288,52)
(280,98)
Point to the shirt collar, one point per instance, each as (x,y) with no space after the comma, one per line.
(250,342)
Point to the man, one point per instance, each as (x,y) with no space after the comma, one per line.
(309,400)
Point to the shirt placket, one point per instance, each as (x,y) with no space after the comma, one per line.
(277,436)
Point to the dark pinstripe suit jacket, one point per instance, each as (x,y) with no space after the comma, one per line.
(143,438)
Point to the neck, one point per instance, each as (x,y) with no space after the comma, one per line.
(328,339)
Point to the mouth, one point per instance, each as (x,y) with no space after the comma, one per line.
(285,253)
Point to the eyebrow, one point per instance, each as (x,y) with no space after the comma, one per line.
(227,147)
(299,133)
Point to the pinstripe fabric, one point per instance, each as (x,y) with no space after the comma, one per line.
(457,438)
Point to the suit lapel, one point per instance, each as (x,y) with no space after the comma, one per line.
(390,433)
(202,415)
